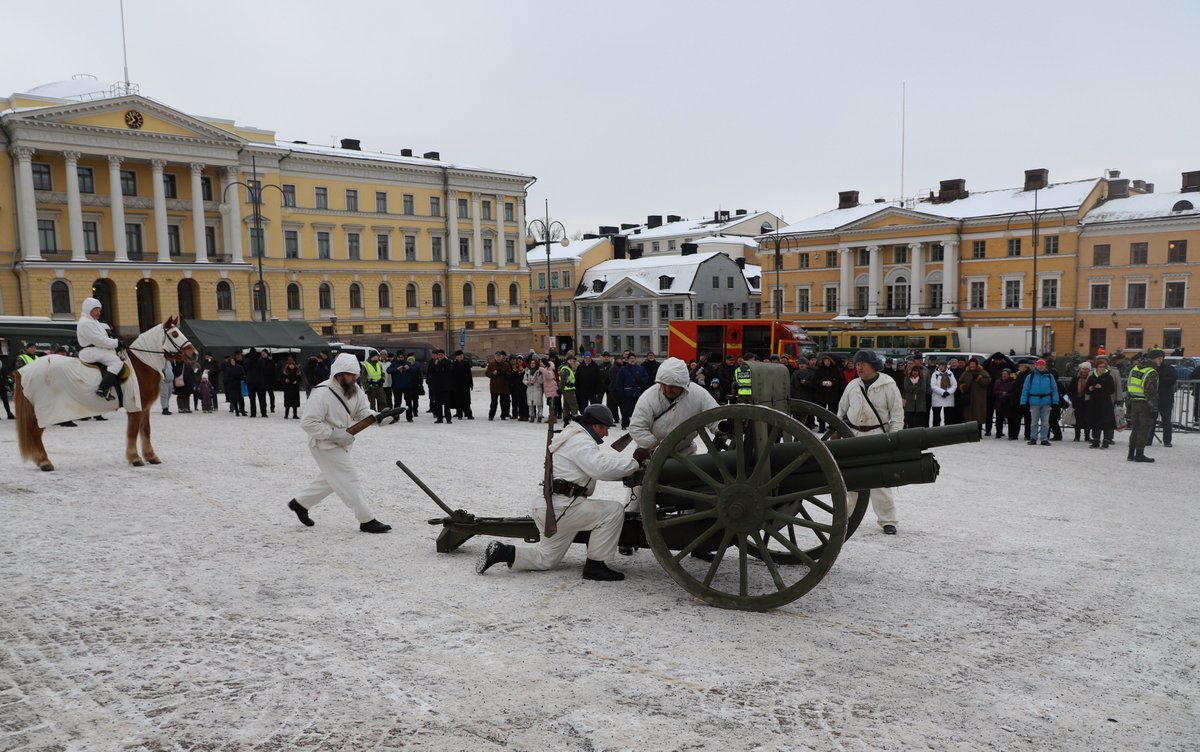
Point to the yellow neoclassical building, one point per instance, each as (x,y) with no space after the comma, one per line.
(953,259)
(108,193)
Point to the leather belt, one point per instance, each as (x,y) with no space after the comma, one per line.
(863,428)
(567,488)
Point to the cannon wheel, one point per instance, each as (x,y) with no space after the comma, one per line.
(836,429)
(745,511)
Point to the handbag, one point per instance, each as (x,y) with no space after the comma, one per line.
(1068,416)
(1119,414)
(179,381)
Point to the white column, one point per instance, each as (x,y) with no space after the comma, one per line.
(117,201)
(476,231)
(233,200)
(160,209)
(916,290)
(522,262)
(74,207)
(26,204)
(950,277)
(198,244)
(452,223)
(846,282)
(501,256)
(874,280)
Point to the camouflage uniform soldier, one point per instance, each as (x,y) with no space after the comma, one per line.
(1143,405)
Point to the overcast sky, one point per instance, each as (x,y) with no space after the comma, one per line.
(623,109)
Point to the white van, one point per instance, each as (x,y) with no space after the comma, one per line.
(362,352)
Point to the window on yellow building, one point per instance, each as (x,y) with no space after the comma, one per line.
(1101,255)
(1049,293)
(463,211)
(383,247)
(170,186)
(514,294)
(1012,293)
(435,206)
(410,247)
(937,252)
(831,260)
(1177,252)
(351,200)
(293,297)
(381,202)
(1135,295)
(323,245)
(291,244)
(224,296)
(41,177)
(410,296)
(487,209)
(468,294)
(1099,297)
(1175,294)
(464,250)
(353,246)
(87,181)
(1014,247)
(91,237)
(321,195)
(289,194)
(325,297)
(128,183)
(356,298)
(1050,243)
(978,249)
(1139,253)
(803,260)
(47,237)
(174,247)
(436,248)
(510,251)
(509,215)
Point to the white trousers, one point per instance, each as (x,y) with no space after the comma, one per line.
(604,517)
(109,358)
(883,500)
(337,476)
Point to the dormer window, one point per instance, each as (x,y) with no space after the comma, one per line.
(1184,205)
(665,282)
(755,281)
(598,285)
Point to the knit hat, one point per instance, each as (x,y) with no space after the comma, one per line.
(870,358)
(1156,353)
(1040,362)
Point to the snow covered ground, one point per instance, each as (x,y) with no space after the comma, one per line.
(1036,598)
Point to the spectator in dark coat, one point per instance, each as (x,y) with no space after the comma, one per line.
(1168,377)
(1023,416)
(1077,394)
(632,382)
(291,380)
(516,389)
(613,394)
(651,365)
(725,378)
(185,379)
(232,377)
(257,368)
(497,374)
(463,383)
(441,386)
(915,388)
(1003,404)
(803,381)
(1101,413)
(828,384)
(604,378)
(406,385)
(587,381)
(995,366)
(211,366)
(973,388)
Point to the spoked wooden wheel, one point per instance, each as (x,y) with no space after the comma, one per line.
(738,504)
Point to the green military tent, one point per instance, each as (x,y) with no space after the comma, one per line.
(225,337)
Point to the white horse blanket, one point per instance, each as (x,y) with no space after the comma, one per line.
(62,389)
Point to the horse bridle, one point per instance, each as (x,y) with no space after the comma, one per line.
(169,335)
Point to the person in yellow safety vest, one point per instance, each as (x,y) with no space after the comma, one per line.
(372,371)
(741,382)
(566,388)
(1143,405)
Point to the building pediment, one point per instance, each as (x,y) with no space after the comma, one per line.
(130,116)
(895,216)
(622,288)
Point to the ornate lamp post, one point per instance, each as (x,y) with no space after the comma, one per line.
(255,191)
(547,233)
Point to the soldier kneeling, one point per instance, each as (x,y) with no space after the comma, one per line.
(579,461)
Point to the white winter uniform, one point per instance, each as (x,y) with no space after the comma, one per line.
(97,346)
(328,408)
(652,421)
(854,409)
(578,458)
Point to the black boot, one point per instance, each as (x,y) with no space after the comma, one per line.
(301,513)
(496,553)
(107,382)
(1131,454)
(374,526)
(598,570)
(1141,456)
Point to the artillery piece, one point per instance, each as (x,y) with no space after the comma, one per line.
(768,489)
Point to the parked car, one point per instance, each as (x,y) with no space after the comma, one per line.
(475,360)
(1183,365)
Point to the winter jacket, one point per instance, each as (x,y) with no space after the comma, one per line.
(1100,391)
(533,384)
(325,411)
(942,386)
(580,459)
(855,409)
(587,378)
(256,370)
(549,381)
(827,384)
(974,387)
(497,374)
(441,380)
(915,394)
(648,432)
(460,376)
(651,367)
(405,376)
(632,380)
(1040,388)
(803,380)
(1003,390)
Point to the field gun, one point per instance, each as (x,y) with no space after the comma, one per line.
(758,519)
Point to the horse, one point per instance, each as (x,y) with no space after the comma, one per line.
(146,358)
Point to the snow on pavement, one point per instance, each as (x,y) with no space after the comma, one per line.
(1035,598)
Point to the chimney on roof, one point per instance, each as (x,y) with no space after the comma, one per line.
(673,218)
(688,249)
(1139,186)
(406,152)
(619,244)
(951,190)
(626,226)
(431,155)
(741,212)
(1036,180)
(607,230)
(635,252)
(351,143)
(1191,182)
(741,262)
(590,236)
(299,142)
(847,199)
(1118,188)
(653,220)
(1149,187)
(881,200)
(1112,174)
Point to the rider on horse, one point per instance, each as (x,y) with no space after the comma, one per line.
(98,346)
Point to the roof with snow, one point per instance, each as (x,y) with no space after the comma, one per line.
(557,253)
(1145,206)
(696,227)
(752,272)
(382,156)
(646,271)
(728,240)
(1068,195)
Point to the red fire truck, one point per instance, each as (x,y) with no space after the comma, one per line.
(687,340)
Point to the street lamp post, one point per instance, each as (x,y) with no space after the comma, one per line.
(255,192)
(550,233)
(766,227)
(1035,219)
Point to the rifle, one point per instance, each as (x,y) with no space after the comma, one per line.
(361,425)
(551,526)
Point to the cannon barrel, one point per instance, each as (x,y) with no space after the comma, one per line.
(873,461)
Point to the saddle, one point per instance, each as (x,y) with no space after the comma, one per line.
(121,378)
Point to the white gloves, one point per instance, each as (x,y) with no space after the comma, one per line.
(341,437)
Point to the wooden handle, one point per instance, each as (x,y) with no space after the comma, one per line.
(360,426)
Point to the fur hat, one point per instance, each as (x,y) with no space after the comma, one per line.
(870,358)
